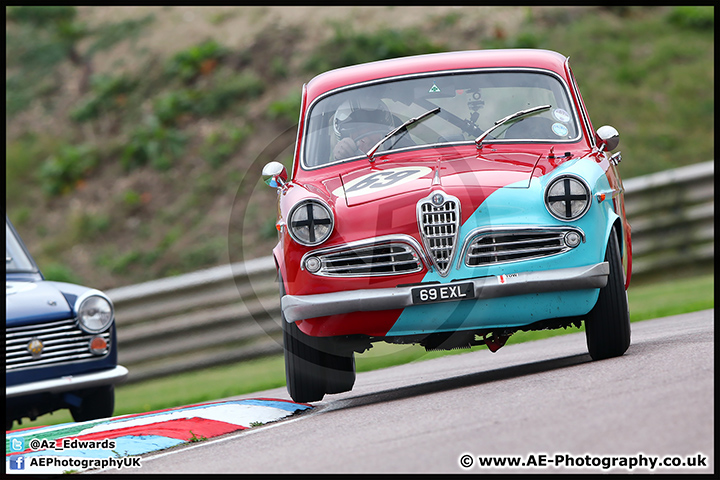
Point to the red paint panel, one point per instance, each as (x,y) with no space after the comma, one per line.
(375,324)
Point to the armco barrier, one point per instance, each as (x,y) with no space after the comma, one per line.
(212,317)
(671,214)
(231,313)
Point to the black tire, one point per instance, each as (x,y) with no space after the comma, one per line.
(313,366)
(340,372)
(303,365)
(98,403)
(303,361)
(607,326)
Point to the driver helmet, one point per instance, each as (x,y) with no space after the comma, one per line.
(363,116)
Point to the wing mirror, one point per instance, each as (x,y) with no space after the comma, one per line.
(608,138)
(275,174)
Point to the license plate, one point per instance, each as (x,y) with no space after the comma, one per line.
(443,293)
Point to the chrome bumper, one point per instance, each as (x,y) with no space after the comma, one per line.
(70,382)
(301,307)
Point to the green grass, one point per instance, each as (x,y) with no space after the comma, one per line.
(647,300)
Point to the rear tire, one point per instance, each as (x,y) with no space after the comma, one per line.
(607,326)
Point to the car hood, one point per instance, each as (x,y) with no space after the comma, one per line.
(380,180)
(32,302)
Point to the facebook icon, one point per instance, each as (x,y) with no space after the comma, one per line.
(17,463)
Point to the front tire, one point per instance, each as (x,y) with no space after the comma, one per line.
(312,367)
(303,367)
(99,403)
(340,372)
(607,326)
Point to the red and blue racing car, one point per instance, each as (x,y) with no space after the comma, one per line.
(448,200)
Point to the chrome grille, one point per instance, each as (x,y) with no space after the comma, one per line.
(368,258)
(492,246)
(63,341)
(439,222)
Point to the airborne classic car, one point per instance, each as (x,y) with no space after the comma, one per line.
(448,200)
(60,344)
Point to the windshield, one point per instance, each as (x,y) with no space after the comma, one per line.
(16,260)
(346,125)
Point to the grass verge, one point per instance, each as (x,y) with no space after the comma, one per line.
(647,300)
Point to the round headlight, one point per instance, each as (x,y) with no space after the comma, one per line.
(311,223)
(94,314)
(567,198)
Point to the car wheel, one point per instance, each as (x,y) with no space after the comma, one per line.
(340,373)
(607,326)
(98,403)
(303,362)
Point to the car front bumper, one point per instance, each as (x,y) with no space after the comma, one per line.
(302,307)
(69,383)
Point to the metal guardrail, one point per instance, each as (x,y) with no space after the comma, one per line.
(231,313)
(212,317)
(671,214)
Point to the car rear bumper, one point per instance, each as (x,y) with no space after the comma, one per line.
(302,307)
(69,383)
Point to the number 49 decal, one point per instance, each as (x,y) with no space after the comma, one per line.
(380,180)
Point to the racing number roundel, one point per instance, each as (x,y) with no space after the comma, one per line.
(380,180)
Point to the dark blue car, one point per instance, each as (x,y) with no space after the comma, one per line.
(60,343)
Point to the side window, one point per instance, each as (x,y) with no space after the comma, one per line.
(581,104)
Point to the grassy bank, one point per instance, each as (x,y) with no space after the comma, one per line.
(130,129)
(647,300)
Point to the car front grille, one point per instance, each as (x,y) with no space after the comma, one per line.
(373,259)
(62,341)
(491,246)
(439,222)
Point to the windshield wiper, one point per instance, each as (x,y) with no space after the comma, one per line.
(395,131)
(515,116)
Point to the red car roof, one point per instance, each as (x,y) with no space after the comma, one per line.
(532,58)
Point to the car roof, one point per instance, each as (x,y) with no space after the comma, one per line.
(528,58)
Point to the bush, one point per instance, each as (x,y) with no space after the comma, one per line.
(109,94)
(218,147)
(171,106)
(56,272)
(41,16)
(208,101)
(701,18)
(348,47)
(87,226)
(230,91)
(287,108)
(61,172)
(155,144)
(196,60)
